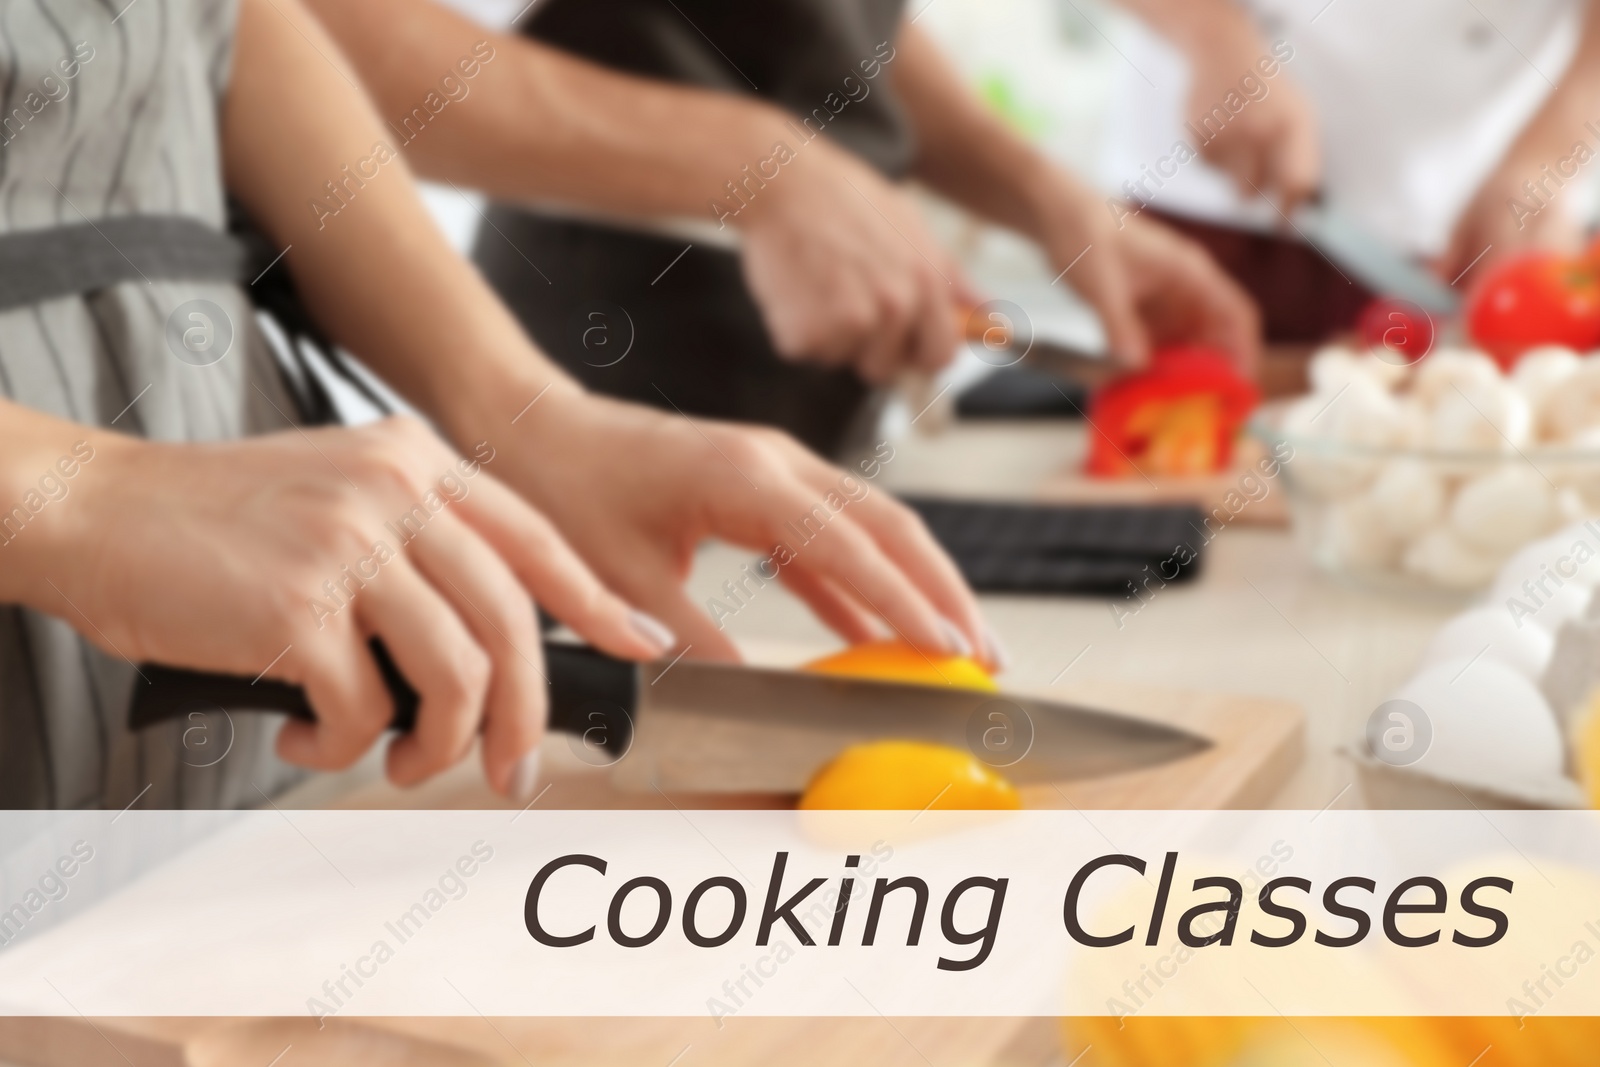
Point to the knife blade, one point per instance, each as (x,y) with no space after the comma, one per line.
(1373,262)
(711,727)
(721,728)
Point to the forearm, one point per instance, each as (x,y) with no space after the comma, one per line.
(539,124)
(964,151)
(45,463)
(376,274)
(1575,101)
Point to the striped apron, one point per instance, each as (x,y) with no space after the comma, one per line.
(109,116)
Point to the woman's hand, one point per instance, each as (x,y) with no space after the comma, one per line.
(1268,146)
(282,555)
(845,271)
(636,492)
(1502,219)
(1150,285)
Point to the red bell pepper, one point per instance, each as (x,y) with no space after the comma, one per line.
(1177,417)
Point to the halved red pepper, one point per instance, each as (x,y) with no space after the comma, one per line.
(1177,417)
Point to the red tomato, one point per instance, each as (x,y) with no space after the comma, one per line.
(1536,299)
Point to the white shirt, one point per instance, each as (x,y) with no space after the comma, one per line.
(491,14)
(1417,101)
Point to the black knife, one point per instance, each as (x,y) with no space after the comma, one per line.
(730,728)
(591,695)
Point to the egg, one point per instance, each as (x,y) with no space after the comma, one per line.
(1408,497)
(1548,607)
(1575,407)
(1541,370)
(1449,369)
(1586,531)
(1568,682)
(1504,509)
(1490,632)
(1489,417)
(1444,559)
(1571,556)
(1355,538)
(1489,724)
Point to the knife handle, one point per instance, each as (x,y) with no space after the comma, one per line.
(592,695)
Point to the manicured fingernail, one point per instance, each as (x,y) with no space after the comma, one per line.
(994,650)
(955,642)
(524,776)
(652,629)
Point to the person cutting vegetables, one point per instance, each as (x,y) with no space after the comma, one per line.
(162,500)
(721,186)
(1460,135)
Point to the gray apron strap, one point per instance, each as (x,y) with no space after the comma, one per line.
(47,264)
(60,261)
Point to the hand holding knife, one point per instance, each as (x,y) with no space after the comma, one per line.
(719,728)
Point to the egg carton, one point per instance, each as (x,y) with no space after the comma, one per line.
(1388,787)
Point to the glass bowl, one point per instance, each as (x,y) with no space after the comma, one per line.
(1420,520)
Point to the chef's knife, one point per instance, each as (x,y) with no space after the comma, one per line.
(721,728)
(1371,261)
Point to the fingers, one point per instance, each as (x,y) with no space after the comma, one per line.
(558,578)
(840,613)
(963,296)
(487,596)
(934,340)
(1101,281)
(1446,266)
(842,552)
(906,541)
(1472,246)
(699,633)
(352,705)
(838,327)
(917,328)
(901,304)
(437,654)
(1240,153)
(901,541)
(1295,166)
(1243,160)
(433,651)
(1186,296)
(1230,318)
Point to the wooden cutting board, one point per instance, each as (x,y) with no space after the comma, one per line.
(1226,495)
(1257,743)
(456,1042)
(1281,373)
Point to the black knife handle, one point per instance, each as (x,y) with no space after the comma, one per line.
(592,695)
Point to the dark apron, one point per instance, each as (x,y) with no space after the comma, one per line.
(694,341)
(698,344)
